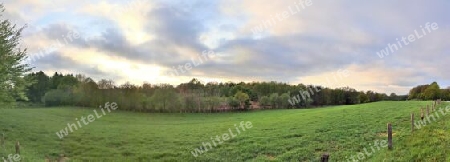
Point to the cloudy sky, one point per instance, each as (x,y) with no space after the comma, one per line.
(321,42)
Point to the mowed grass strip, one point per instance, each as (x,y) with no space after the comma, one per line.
(277,135)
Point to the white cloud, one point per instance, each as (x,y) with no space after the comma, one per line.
(305,47)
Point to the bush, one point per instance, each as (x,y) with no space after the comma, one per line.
(54,97)
(233,102)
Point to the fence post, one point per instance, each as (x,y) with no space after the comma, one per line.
(325,157)
(412,122)
(61,158)
(421,114)
(2,140)
(18,148)
(389,129)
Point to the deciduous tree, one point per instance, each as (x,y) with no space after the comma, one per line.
(12,66)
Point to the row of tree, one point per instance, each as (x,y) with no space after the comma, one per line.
(16,84)
(429,92)
(193,96)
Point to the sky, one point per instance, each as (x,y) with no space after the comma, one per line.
(385,46)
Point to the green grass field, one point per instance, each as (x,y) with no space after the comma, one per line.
(276,135)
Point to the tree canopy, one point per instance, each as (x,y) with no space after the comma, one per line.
(193,96)
(12,66)
(428,92)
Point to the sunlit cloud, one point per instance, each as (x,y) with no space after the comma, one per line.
(143,40)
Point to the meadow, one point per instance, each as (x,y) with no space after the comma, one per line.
(276,135)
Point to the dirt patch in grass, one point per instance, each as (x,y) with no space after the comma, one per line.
(386,135)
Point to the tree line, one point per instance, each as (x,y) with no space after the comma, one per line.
(429,92)
(17,84)
(193,96)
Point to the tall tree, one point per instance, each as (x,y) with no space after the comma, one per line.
(56,80)
(12,66)
(264,101)
(165,99)
(38,88)
(432,92)
(274,98)
(241,97)
(284,98)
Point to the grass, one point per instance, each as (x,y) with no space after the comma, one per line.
(277,135)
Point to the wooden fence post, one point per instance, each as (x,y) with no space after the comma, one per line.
(18,148)
(412,122)
(61,158)
(389,129)
(421,114)
(325,157)
(2,140)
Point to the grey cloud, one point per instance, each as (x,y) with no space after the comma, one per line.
(336,35)
(57,63)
